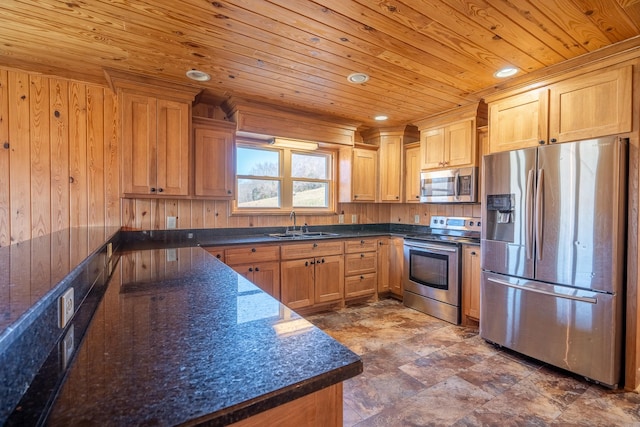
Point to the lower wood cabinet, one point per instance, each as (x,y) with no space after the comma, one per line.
(471,282)
(311,280)
(361,263)
(396,265)
(265,275)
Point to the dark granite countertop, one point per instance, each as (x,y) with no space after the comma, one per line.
(179,337)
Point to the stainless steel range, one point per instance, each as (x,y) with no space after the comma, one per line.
(432,266)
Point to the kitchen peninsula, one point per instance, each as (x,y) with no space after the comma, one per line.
(176,337)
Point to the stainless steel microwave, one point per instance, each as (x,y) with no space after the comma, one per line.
(449,186)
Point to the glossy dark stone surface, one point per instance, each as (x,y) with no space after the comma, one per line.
(180,336)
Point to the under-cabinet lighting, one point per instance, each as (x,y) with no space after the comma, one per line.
(290,143)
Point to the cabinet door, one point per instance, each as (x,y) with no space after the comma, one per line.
(383,264)
(329,278)
(390,155)
(592,105)
(471,281)
(296,283)
(139,144)
(432,149)
(519,121)
(214,163)
(412,175)
(396,263)
(361,285)
(267,277)
(365,166)
(365,262)
(173,148)
(460,147)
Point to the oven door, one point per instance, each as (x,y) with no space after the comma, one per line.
(432,270)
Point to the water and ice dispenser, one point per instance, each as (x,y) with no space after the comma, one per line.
(500,217)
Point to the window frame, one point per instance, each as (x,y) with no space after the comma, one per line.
(286,181)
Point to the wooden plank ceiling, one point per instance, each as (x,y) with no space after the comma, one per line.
(422,56)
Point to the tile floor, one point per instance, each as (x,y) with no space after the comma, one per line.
(420,371)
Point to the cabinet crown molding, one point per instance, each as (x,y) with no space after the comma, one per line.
(135,83)
(477,110)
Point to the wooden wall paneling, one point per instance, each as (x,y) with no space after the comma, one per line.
(40,156)
(95,160)
(40,267)
(185,213)
(143,214)
(111,161)
(19,296)
(59,146)
(197,213)
(127,208)
(19,178)
(5,211)
(59,255)
(158,214)
(211,214)
(78,155)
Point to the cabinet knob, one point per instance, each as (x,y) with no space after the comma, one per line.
(355,196)
(541,142)
(253,249)
(218,256)
(160,190)
(473,253)
(312,262)
(228,191)
(397,197)
(250,269)
(361,255)
(554,140)
(6,145)
(322,261)
(257,268)
(417,197)
(153,189)
(362,242)
(361,277)
(306,263)
(315,245)
(380,242)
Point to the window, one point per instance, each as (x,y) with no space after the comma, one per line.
(274,179)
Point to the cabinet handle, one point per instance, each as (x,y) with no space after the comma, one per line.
(160,190)
(380,243)
(362,242)
(361,277)
(361,255)
(218,256)
(250,269)
(312,262)
(417,197)
(306,263)
(6,145)
(541,142)
(315,245)
(253,249)
(257,268)
(153,189)
(397,197)
(355,196)
(228,191)
(553,140)
(473,253)
(322,261)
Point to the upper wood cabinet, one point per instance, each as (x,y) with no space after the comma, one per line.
(412,174)
(592,105)
(155,144)
(449,140)
(214,169)
(390,172)
(358,174)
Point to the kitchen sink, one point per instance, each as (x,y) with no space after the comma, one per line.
(302,235)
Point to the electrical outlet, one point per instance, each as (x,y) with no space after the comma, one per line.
(65,308)
(416,219)
(354,219)
(109,250)
(172,255)
(341,219)
(172,221)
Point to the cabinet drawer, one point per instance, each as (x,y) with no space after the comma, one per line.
(312,249)
(364,262)
(361,245)
(216,252)
(250,254)
(356,286)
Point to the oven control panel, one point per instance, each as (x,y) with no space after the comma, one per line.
(456,223)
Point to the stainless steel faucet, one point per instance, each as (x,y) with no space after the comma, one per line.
(292,216)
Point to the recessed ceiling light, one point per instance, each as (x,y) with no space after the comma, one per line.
(199,76)
(358,78)
(381,118)
(506,72)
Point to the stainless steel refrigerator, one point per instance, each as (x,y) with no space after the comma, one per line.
(553,255)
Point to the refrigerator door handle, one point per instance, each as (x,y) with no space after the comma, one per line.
(528,212)
(540,291)
(538,214)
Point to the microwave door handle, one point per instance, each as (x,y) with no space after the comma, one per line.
(528,212)
(456,185)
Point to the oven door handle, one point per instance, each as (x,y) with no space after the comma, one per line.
(432,247)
